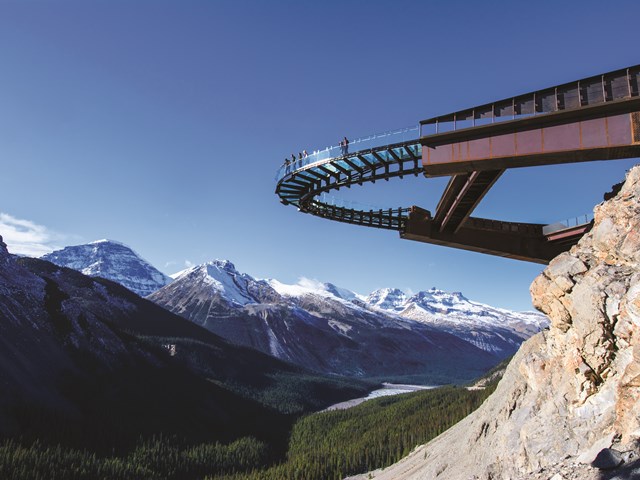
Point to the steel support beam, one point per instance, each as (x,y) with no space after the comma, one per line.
(519,241)
(462,195)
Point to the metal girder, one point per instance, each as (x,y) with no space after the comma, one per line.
(460,198)
(329,172)
(290,192)
(366,162)
(341,168)
(379,158)
(316,174)
(393,154)
(297,182)
(311,180)
(292,187)
(353,165)
(410,153)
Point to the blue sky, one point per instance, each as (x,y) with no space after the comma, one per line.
(161,124)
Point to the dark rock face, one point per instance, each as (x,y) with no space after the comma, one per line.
(113,261)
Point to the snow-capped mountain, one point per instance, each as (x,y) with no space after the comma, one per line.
(390,299)
(495,330)
(113,261)
(319,326)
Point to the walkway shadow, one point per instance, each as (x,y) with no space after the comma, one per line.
(628,471)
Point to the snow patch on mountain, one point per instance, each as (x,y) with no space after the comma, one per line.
(222,277)
(433,304)
(492,329)
(307,286)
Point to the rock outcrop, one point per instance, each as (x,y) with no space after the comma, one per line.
(572,390)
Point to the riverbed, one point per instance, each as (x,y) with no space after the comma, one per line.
(386,390)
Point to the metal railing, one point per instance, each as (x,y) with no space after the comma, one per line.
(608,87)
(568,223)
(332,200)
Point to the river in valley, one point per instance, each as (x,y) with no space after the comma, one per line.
(387,389)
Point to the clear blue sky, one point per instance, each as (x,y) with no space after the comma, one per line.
(161,124)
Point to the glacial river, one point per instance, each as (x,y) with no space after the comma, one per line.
(387,389)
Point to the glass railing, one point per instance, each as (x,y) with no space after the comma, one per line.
(365,143)
(568,223)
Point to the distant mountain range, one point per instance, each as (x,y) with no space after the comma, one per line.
(433,335)
(495,330)
(82,355)
(113,261)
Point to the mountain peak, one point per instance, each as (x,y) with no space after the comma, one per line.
(220,277)
(387,299)
(435,295)
(225,265)
(111,260)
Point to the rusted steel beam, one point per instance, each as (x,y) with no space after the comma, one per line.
(587,134)
(568,233)
(505,239)
(462,195)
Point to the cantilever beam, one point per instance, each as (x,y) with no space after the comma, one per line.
(520,241)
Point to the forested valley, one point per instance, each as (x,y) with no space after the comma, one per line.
(323,446)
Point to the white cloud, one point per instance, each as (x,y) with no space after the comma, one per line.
(310,283)
(188,263)
(24,237)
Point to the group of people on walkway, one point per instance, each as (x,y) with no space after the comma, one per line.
(290,161)
(301,155)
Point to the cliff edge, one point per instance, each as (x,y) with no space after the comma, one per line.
(570,391)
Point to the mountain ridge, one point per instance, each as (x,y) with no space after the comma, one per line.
(322,326)
(111,260)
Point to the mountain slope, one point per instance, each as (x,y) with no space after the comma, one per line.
(113,261)
(80,355)
(321,327)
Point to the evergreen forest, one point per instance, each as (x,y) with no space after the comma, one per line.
(321,446)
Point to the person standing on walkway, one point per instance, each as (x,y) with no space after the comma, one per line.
(345,142)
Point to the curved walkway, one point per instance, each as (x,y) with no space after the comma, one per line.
(305,182)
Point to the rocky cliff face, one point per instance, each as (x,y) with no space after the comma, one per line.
(572,390)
